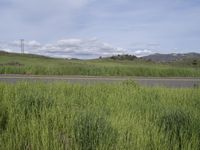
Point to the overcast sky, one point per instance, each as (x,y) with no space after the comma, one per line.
(93,28)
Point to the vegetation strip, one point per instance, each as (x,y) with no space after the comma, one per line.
(98,116)
(38,65)
(10,76)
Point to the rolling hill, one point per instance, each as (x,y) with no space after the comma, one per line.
(172,57)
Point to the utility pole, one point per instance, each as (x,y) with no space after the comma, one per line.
(22,46)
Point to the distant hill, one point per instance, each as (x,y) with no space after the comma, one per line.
(119,65)
(3,52)
(24,55)
(186,58)
(172,57)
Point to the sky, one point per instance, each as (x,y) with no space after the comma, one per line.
(92,28)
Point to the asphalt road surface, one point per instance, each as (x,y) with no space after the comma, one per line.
(146,81)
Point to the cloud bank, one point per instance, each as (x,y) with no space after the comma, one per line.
(71,48)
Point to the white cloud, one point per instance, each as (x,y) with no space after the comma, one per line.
(67,48)
(141,53)
(32,44)
(72,48)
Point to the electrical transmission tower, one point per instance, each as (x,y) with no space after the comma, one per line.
(22,46)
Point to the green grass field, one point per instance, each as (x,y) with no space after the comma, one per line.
(120,116)
(37,65)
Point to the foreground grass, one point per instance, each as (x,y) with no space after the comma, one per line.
(101,116)
(36,65)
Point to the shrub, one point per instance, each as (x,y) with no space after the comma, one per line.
(92,131)
(131,83)
(3,118)
(175,125)
(33,102)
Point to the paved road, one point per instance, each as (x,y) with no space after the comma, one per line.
(147,81)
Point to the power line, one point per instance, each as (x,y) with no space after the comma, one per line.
(22,46)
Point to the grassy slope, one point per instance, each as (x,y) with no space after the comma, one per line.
(37,65)
(102,116)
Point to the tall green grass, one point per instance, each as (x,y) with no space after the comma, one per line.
(25,64)
(90,70)
(98,116)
